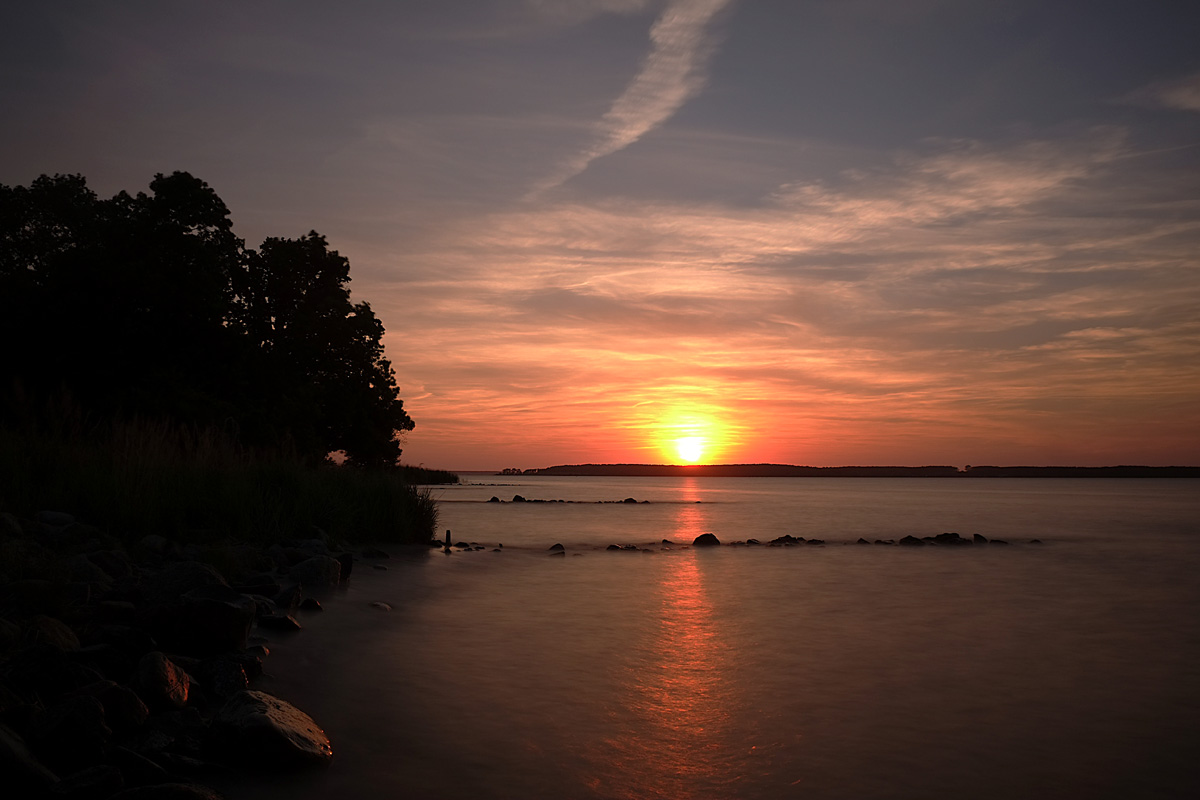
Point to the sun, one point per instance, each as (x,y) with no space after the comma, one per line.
(690,448)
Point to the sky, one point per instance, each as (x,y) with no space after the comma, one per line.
(821,232)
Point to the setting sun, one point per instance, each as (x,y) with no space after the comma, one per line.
(690,448)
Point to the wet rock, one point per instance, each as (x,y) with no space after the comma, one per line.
(613,547)
(952,539)
(629,500)
(288,599)
(998,541)
(279,622)
(787,538)
(160,683)
(518,499)
(1035,541)
(979,539)
(317,571)
(381,606)
(311,604)
(172,582)
(271,730)
(706,540)
(912,541)
(814,541)
(346,560)
(862,541)
(557,546)
(382,567)
(494,499)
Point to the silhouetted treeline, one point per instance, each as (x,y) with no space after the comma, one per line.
(790,471)
(148,305)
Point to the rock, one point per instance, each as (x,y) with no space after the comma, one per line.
(979,539)
(47,671)
(72,734)
(381,567)
(316,572)
(154,543)
(222,677)
(862,541)
(346,560)
(753,541)
(311,604)
(814,541)
(55,519)
(33,596)
(1035,541)
(168,791)
(160,683)
(98,781)
(217,620)
(124,711)
(952,539)
(998,541)
(175,580)
(706,540)
(613,547)
(137,768)
(279,622)
(494,499)
(912,541)
(629,500)
(48,630)
(787,538)
(518,499)
(557,546)
(381,606)
(24,774)
(270,730)
(10,635)
(288,599)
(83,569)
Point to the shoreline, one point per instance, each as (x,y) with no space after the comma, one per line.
(129,667)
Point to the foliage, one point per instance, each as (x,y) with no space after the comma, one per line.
(149,306)
(197,485)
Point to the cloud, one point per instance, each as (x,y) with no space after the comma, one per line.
(1182,94)
(672,74)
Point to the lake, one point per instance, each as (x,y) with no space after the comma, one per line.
(1066,669)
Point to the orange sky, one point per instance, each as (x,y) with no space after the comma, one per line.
(823,233)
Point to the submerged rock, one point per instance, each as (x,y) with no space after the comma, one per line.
(706,540)
(557,546)
(270,730)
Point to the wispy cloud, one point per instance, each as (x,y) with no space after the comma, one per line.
(673,72)
(1182,94)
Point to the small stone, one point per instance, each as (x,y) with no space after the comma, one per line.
(311,604)
(381,606)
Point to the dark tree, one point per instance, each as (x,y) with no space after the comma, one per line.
(323,354)
(150,305)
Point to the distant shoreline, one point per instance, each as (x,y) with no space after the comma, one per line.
(792,471)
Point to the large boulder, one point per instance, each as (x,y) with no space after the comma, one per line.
(72,734)
(160,683)
(317,571)
(268,730)
(706,540)
(215,619)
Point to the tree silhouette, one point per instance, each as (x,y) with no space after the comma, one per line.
(149,304)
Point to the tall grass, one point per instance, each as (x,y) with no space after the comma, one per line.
(138,477)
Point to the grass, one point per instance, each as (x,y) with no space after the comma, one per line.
(137,477)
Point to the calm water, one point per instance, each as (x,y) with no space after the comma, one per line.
(1069,669)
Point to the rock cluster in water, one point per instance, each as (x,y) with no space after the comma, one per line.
(127,673)
(521,499)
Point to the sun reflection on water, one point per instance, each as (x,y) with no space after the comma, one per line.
(679,698)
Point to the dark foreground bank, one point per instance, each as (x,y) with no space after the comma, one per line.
(128,671)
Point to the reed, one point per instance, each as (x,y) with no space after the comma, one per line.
(136,477)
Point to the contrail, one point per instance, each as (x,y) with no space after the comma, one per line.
(672,74)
